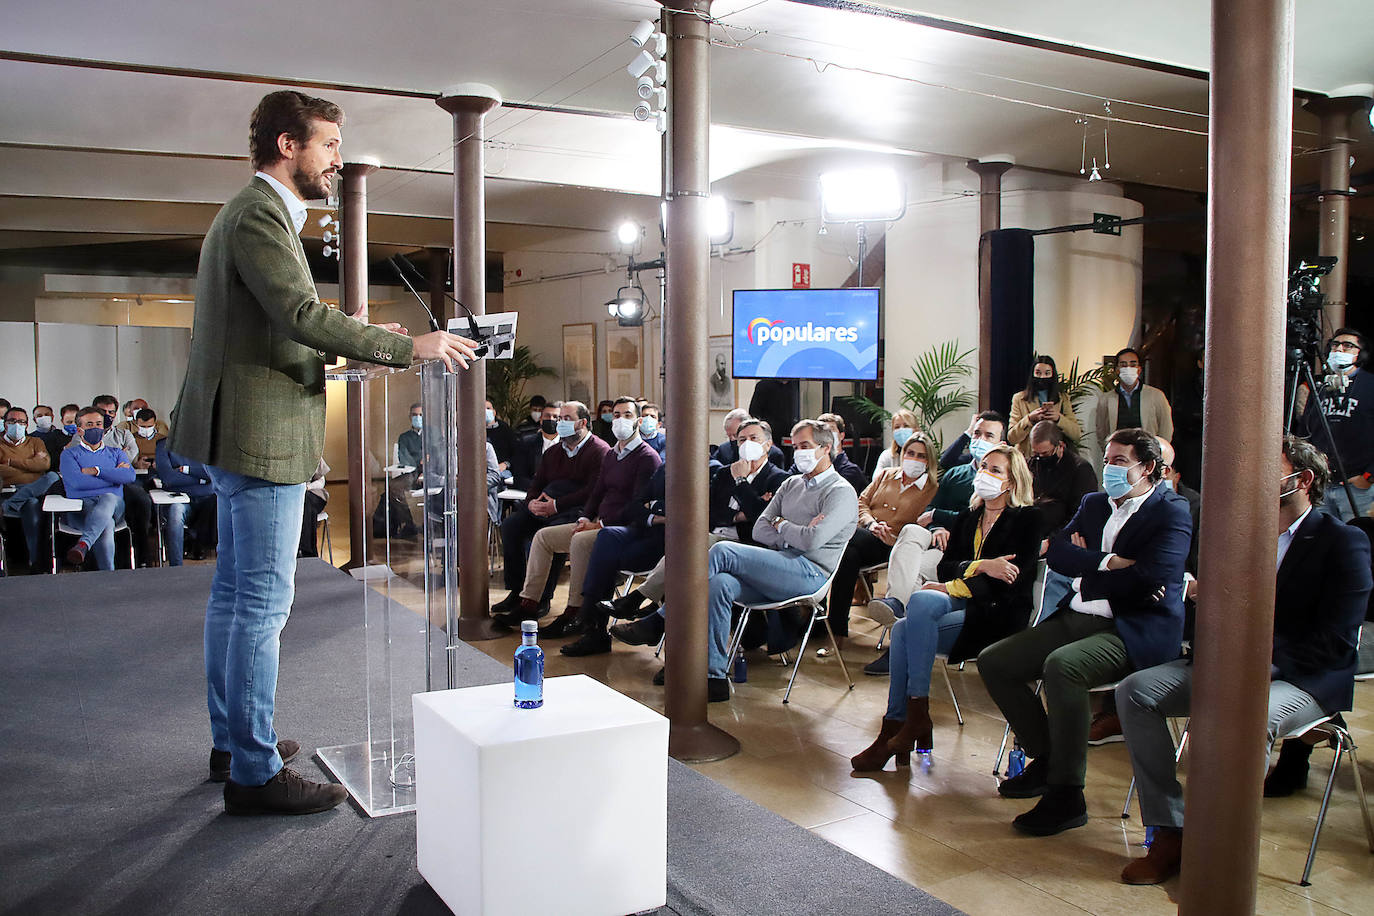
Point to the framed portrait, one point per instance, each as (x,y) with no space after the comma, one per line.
(579,363)
(721,388)
(624,361)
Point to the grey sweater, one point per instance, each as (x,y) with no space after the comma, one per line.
(797,502)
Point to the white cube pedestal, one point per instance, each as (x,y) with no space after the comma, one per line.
(561,809)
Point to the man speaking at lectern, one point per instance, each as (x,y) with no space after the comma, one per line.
(252,410)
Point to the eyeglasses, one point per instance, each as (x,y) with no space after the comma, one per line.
(1345,346)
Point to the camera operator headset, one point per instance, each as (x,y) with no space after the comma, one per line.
(1347,397)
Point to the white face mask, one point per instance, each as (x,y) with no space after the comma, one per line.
(535,415)
(751,451)
(1128,375)
(913,468)
(147,432)
(623,428)
(987,485)
(806,460)
(43,423)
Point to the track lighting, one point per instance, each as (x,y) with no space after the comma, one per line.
(640,65)
(643,30)
(645,87)
(643,112)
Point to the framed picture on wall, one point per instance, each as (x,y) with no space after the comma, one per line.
(721,388)
(579,363)
(624,361)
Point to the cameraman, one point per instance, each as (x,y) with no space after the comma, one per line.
(1347,397)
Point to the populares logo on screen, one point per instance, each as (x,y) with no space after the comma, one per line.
(762,331)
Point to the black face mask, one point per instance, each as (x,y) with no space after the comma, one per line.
(1042,386)
(109,420)
(549,426)
(1045,463)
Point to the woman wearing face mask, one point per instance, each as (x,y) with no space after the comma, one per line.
(904,423)
(895,499)
(601,422)
(983,594)
(1041,400)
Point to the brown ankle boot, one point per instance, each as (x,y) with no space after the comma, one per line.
(917,731)
(876,755)
(1160,863)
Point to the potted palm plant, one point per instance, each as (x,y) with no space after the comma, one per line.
(506,380)
(933,390)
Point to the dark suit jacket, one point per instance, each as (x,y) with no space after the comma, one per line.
(727,453)
(1156,537)
(996,609)
(1322,591)
(752,497)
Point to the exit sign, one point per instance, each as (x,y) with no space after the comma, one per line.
(1106,224)
(801,276)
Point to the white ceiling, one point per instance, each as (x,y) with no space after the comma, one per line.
(795,85)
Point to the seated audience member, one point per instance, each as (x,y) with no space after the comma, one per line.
(1124,550)
(651,427)
(987,430)
(839,459)
(625,470)
(727,452)
(565,479)
(1174,481)
(5,406)
(392,515)
(316,496)
(147,437)
(635,545)
(43,419)
(1130,403)
(128,410)
(798,540)
(97,474)
(1322,592)
(138,506)
(60,435)
(739,494)
(904,423)
(601,421)
(536,411)
(410,447)
(959,452)
(131,409)
(182,475)
(1041,400)
(531,445)
(501,437)
(982,594)
(25,465)
(896,499)
(1060,476)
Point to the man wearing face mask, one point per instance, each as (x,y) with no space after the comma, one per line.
(625,472)
(531,446)
(131,410)
(1347,397)
(138,505)
(59,434)
(1130,403)
(501,437)
(1322,592)
(1124,551)
(147,437)
(1060,476)
(393,507)
(726,453)
(651,427)
(96,474)
(530,422)
(839,459)
(568,472)
(26,465)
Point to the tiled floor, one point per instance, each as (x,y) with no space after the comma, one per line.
(945,829)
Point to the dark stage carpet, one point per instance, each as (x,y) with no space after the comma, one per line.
(105,806)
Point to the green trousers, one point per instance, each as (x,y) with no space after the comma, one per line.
(1071,653)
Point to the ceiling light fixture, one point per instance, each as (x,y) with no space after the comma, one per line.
(643,30)
(645,86)
(860,195)
(627,308)
(640,64)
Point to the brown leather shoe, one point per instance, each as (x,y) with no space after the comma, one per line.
(1160,863)
(220,760)
(876,755)
(285,793)
(1105,729)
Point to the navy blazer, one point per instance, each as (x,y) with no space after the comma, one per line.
(1157,538)
(752,497)
(1320,600)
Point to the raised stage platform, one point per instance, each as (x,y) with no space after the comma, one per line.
(105,805)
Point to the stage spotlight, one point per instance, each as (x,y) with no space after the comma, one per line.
(720,222)
(860,195)
(640,65)
(643,111)
(642,32)
(627,308)
(645,87)
(628,234)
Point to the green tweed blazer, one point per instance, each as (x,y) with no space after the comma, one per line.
(252,401)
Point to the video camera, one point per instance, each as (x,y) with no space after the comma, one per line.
(1304,316)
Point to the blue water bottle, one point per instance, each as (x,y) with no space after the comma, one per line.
(529,668)
(741,672)
(1016,761)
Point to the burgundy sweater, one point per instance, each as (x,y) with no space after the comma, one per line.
(620,480)
(583,470)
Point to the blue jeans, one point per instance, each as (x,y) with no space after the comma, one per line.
(748,573)
(26,502)
(932,623)
(1338,504)
(96,521)
(250,599)
(175,516)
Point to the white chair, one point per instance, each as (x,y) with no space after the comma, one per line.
(323,519)
(55,506)
(816,602)
(161,498)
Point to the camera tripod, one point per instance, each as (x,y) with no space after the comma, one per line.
(1300,371)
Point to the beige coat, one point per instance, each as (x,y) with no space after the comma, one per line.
(1019,425)
(1155,415)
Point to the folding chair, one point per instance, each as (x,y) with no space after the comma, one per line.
(816,602)
(162,498)
(323,519)
(56,505)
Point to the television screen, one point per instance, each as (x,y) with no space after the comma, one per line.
(823,334)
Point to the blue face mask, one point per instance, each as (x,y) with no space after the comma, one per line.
(607,417)
(567,428)
(491,415)
(93,436)
(901,435)
(70,428)
(15,431)
(648,427)
(1116,480)
(979,448)
(417,422)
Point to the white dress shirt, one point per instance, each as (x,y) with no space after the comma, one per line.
(1101,607)
(1286,538)
(294,205)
